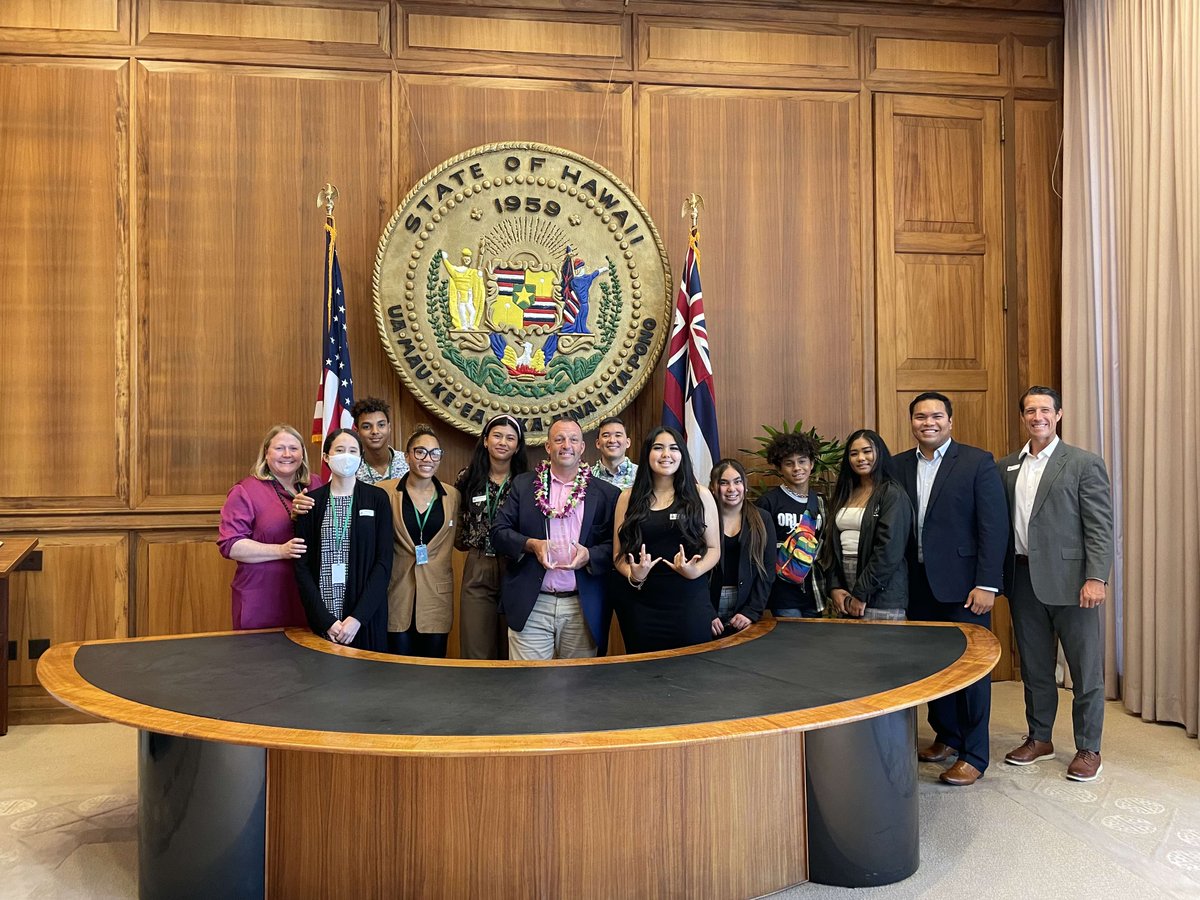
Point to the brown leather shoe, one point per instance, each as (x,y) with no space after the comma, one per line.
(936,752)
(1086,766)
(1030,752)
(960,774)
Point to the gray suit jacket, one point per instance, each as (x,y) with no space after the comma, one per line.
(1070,526)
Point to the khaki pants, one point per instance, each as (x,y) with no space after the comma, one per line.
(555,629)
(482,631)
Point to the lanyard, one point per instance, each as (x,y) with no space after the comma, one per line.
(423,518)
(341,529)
(493,497)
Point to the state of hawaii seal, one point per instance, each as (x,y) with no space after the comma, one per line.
(524,279)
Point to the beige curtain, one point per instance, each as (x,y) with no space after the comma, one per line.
(1131,325)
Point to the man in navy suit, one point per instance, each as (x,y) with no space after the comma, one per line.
(955,566)
(556,531)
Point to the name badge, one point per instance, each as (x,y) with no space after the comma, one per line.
(422,555)
(1014,468)
(338,575)
(674,516)
(366,512)
(479,498)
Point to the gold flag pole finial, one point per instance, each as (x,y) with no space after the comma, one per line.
(692,206)
(327,197)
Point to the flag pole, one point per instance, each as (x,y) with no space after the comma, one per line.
(689,394)
(327,197)
(692,204)
(335,390)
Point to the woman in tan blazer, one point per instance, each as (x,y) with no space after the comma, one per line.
(421,591)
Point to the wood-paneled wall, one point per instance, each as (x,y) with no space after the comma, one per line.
(163,251)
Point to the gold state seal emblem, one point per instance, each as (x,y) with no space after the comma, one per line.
(525,279)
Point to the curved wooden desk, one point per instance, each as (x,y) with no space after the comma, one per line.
(274,762)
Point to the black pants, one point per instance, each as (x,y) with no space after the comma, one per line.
(414,643)
(959,720)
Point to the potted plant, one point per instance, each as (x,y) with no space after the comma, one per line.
(829,457)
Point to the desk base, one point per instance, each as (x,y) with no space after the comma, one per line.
(201,818)
(725,818)
(863,823)
(717,819)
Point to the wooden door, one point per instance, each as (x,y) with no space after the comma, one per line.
(939,245)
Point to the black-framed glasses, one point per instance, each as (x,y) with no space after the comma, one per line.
(422,453)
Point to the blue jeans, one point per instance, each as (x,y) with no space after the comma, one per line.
(795,613)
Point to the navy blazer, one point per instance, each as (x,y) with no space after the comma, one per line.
(966,522)
(519,519)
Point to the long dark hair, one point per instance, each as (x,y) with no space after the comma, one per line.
(687,498)
(474,478)
(847,480)
(752,521)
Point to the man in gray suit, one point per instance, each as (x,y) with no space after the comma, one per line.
(1060,553)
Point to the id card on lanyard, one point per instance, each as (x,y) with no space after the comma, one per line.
(422,550)
(341,532)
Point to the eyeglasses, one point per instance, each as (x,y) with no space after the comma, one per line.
(422,453)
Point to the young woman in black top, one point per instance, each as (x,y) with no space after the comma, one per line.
(421,592)
(870,521)
(483,487)
(666,538)
(741,582)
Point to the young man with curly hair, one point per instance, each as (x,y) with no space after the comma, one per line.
(794,506)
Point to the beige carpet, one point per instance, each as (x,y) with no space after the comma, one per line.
(68,817)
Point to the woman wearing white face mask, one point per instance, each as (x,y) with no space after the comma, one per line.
(344,572)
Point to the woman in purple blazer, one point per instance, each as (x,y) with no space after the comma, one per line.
(257,532)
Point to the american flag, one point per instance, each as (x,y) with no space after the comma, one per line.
(690,399)
(335,393)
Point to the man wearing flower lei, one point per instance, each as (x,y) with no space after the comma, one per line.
(555,531)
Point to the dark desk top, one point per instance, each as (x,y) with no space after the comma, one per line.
(280,689)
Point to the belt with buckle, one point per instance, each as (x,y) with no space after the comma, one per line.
(561,593)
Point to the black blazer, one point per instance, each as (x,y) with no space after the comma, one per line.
(966,521)
(519,519)
(370,565)
(887,524)
(753,587)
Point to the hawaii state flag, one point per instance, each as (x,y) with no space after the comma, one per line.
(335,393)
(690,399)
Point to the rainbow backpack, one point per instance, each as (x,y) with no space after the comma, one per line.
(796,552)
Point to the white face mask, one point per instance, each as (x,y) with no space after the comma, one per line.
(344,464)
